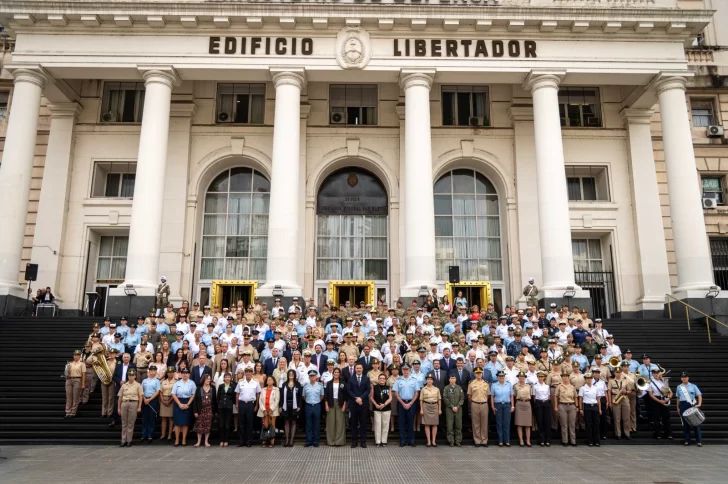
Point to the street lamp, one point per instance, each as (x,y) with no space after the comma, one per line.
(569,293)
(713,292)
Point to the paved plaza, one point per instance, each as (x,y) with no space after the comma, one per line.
(658,464)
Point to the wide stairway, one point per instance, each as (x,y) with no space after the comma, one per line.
(32,392)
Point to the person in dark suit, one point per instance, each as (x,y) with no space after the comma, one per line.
(366,360)
(357,389)
(319,359)
(271,363)
(348,371)
(120,376)
(440,376)
(225,403)
(200,369)
(447,363)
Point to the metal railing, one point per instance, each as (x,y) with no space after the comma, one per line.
(688,307)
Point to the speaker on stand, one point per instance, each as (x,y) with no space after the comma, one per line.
(453,274)
(31,274)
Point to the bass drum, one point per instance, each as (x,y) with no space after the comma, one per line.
(693,416)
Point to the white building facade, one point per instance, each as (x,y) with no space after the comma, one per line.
(353,151)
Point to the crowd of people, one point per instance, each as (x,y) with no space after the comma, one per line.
(255,375)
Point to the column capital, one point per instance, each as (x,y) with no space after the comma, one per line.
(521,112)
(636,116)
(666,81)
(33,74)
(166,75)
(416,77)
(65,110)
(292,77)
(539,79)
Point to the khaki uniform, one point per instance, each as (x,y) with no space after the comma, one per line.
(478,392)
(553,380)
(620,411)
(577,379)
(90,381)
(374,376)
(521,366)
(453,396)
(162,295)
(350,349)
(587,324)
(142,364)
(76,370)
(632,401)
(107,392)
(130,395)
(566,397)
(606,371)
(195,315)
(249,318)
(253,352)
(543,366)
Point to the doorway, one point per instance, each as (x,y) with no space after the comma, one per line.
(226,294)
(354,291)
(474,292)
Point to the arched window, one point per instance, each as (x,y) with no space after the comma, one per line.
(351,234)
(467,226)
(235,226)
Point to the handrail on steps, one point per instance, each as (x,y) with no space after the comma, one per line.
(687,314)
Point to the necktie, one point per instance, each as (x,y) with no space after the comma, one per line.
(437,374)
(367,360)
(358,379)
(275,360)
(460,372)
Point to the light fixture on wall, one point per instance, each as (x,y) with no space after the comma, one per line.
(569,293)
(277,291)
(131,292)
(713,292)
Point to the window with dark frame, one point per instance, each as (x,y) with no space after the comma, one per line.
(240,104)
(123,102)
(4,99)
(702,112)
(113,179)
(353,104)
(579,107)
(465,106)
(587,183)
(713,188)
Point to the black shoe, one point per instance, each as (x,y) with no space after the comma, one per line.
(628,437)
(413,444)
(458,445)
(111,424)
(239,445)
(402,445)
(123,445)
(307,445)
(353,445)
(597,444)
(452,445)
(246,445)
(315,445)
(363,446)
(128,444)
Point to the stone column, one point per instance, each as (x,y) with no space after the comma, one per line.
(283,214)
(53,205)
(557,261)
(15,174)
(147,210)
(419,207)
(694,269)
(652,274)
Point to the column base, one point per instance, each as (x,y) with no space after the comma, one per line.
(290,290)
(12,305)
(580,299)
(129,306)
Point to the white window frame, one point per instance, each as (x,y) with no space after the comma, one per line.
(112,114)
(564,90)
(718,195)
(714,112)
(599,173)
(100,180)
(111,259)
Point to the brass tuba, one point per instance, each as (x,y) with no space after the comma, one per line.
(101,367)
(614,362)
(641,383)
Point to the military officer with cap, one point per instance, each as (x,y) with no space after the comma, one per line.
(151,388)
(620,389)
(75,381)
(163,292)
(478,396)
(453,399)
(130,404)
(531,292)
(688,395)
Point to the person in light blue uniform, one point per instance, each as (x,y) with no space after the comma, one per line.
(579,358)
(118,344)
(141,327)
(123,329)
(183,392)
(107,326)
(494,366)
(633,364)
(647,366)
(502,406)
(417,373)
(177,344)
(151,387)
(313,394)
(132,339)
(688,395)
(162,328)
(406,390)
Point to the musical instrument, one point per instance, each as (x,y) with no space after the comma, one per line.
(693,416)
(641,383)
(614,362)
(148,358)
(101,367)
(66,370)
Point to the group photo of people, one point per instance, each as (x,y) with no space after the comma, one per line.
(430,372)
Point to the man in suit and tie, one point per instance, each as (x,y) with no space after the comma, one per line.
(200,369)
(440,375)
(319,359)
(462,379)
(348,371)
(446,363)
(357,390)
(120,376)
(271,363)
(366,360)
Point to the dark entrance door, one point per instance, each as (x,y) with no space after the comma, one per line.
(232,294)
(601,292)
(471,293)
(355,294)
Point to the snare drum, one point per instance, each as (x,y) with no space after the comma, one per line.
(693,416)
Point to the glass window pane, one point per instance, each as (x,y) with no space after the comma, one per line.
(375,270)
(113,180)
(574,189)
(213,246)
(443,185)
(463,103)
(376,226)
(239,203)
(443,226)
(352,247)
(590,188)
(260,183)
(351,269)
(578,249)
(463,181)
(328,225)
(237,247)
(496,270)
(106,246)
(103,269)
(448,108)
(260,225)
(212,269)
(574,115)
(483,185)
(214,224)
(443,248)
(236,268)
(258,247)
(375,248)
(216,203)
(118,268)
(464,226)
(261,202)
(238,224)
(327,247)
(595,249)
(488,227)
(352,225)
(442,268)
(257,268)
(443,204)
(121,245)
(220,183)
(241,179)
(463,205)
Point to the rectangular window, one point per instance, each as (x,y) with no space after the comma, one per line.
(587,184)
(123,102)
(719,253)
(240,103)
(113,179)
(352,247)
(703,112)
(465,106)
(4,98)
(353,104)
(112,259)
(713,188)
(579,107)
(587,255)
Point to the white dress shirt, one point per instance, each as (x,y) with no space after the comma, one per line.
(589,393)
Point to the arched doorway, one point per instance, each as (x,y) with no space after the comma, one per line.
(468,236)
(352,247)
(234,239)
